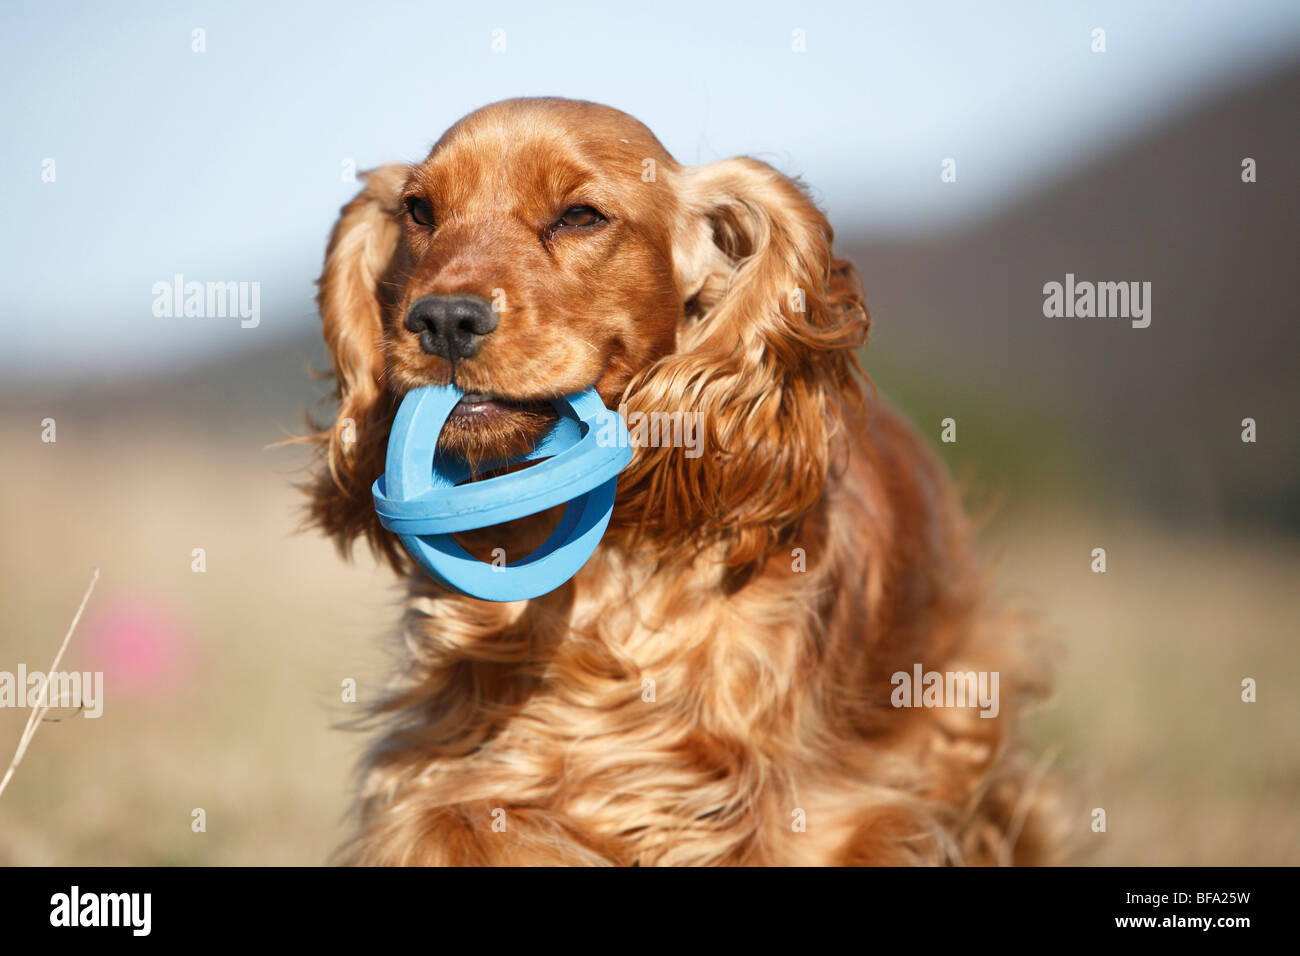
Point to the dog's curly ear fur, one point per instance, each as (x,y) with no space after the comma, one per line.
(766,356)
(350,451)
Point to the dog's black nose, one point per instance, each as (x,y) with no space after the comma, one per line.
(453,326)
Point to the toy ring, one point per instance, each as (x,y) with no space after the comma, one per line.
(422,496)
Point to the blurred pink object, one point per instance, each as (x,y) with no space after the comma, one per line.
(141,648)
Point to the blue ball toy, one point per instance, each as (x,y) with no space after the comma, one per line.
(424,497)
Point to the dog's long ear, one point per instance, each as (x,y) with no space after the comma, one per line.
(765,357)
(352,304)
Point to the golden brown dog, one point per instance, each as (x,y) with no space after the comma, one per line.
(717,685)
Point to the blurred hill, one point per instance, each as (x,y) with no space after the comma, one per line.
(1157,410)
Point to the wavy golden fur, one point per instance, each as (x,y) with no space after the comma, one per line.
(719,673)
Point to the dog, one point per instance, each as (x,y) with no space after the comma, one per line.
(721,682)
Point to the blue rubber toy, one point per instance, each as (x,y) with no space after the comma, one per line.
(423,497)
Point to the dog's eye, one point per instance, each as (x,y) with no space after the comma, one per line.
(420,211)
(580,216)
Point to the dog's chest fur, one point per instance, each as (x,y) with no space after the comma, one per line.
(654,717)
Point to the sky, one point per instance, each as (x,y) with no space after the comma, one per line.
(226,164)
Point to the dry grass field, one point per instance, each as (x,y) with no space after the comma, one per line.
(223,687)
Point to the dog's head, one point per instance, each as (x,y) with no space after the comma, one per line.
(546,246)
